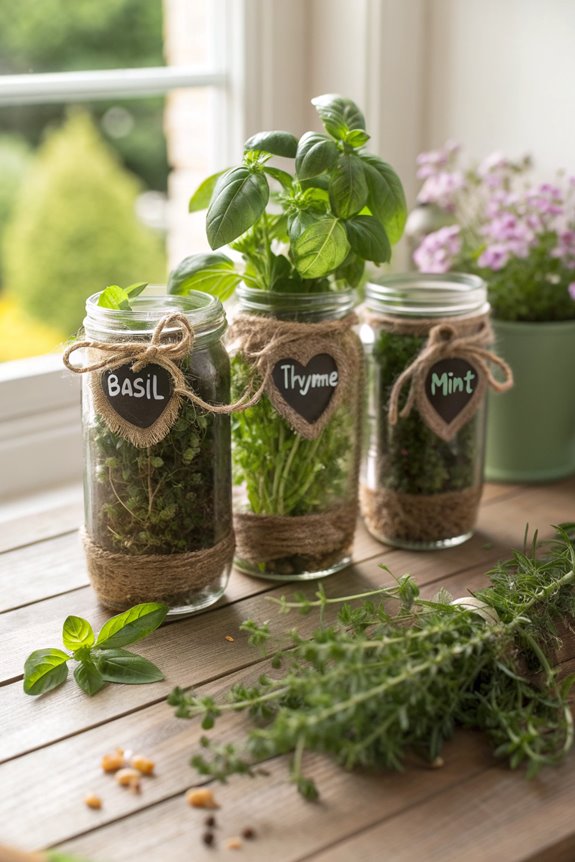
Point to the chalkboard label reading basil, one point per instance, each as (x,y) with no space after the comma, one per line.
(308,389)
(450,385)
(138,397)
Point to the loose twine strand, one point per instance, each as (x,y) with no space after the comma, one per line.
(252,329)
(445,341)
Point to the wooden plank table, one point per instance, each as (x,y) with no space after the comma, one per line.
(50,747)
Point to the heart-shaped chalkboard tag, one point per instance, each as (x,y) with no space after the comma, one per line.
(303,393)
(452,392)
(139,405)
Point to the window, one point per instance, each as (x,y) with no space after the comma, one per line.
(71,74)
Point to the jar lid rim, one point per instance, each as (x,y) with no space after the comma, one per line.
(429,294)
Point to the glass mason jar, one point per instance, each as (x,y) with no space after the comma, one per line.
(158,519)
(422,470)
(296,473)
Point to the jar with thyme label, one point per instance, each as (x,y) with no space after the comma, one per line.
(296,451)
(157,453)
(428,342)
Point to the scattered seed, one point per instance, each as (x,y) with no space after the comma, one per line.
(129,778)
(437,763)
(143,764)
(210,821)
(201,797)
(229,638)
(248,833)
(113,762)
(234,843)
(92,800)
(208,838)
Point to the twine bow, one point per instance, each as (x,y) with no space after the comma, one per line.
(160,352)
(445,342)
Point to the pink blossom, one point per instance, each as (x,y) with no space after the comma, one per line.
(494,170)
(507,231)
(571,290)
(565,247)
(495,256)
(547,199)
(435,161)
(438,250)
(441,189)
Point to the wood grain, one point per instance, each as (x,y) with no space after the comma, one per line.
(471,809)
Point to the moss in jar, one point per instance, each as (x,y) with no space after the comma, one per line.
(285,474)
(412,458)
(173,497)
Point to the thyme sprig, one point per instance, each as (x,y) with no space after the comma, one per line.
(397,673)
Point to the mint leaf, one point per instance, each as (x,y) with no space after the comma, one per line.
(77,632)
(121,666)
(132,625)
(136,289)
(44,670)
(89,678)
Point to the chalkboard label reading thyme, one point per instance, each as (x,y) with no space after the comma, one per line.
(307,389)
(139,398)
(450,385)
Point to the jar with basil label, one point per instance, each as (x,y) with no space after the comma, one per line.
(158,520)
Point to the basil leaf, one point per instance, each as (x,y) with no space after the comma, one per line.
(212,273)
(282,177)
(76,633)
(44,670)
(132,625)
(115,297)
(276,143)
(348,186)
(368,238)
(89,678)
(200,200)
(338,115)
(320,248)
(357,138)
(239,199)
(121,666)
(386,198)
(299,221)
(351,270)
(316,153)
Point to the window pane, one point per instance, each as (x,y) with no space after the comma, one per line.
(82,205)
(65,35)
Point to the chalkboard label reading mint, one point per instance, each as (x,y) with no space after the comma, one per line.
(138,397)
(307,389)
(450,385)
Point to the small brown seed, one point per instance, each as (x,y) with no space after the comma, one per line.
(113,762)
(143,764)
(92,800)
(248,833)
(234,843)
(437,763)
(208,838)
(210,821)
(201,797)
(229,639)
(129,778)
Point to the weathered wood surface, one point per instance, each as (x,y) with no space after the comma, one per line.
(472,808)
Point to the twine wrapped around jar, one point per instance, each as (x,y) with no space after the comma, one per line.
(427,519)
(322,538)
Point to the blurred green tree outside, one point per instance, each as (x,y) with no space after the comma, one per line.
(68,187)
(72,35)
(74,228)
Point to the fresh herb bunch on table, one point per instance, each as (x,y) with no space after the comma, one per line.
(295,235)
(396,674)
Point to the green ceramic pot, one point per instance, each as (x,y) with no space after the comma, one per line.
(531,428)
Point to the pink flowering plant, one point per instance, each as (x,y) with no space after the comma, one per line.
(519,235)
